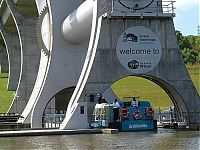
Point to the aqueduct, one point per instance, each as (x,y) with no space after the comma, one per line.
(81,47)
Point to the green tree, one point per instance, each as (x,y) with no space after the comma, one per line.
(179,36)
(190,47)
(190,56)
(196,45)
(185,43)
(198,58)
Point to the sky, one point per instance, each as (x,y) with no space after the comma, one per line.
(187,16)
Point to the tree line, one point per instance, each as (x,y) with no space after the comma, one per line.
(190,48)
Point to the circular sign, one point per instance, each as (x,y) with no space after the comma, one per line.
(138,49)
(135,5)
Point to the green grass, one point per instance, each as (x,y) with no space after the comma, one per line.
(194,71)
(6,97)
(145,89)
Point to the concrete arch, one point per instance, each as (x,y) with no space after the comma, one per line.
(109,95)
(14,57)
(169,90)
(29,56)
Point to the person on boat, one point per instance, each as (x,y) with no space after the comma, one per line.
(116,107)
(116,104)
(134,102)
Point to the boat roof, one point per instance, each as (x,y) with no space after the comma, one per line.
(100,105)
(129,98)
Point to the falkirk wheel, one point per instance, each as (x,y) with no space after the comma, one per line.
(88,45)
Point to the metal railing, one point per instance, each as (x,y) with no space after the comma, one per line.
(105,6)
(52,120)
(157,8)
(171,117)
(168,6)
(9,122)
(178,117)
(183,118)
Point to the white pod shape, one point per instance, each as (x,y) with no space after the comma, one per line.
(77,26)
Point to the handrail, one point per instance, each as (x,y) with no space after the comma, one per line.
(174,116)
(163,7)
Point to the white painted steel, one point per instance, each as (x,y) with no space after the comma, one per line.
(70,121)
(42,72)
(36,90)
(45,29)
(62,55)
(77,26)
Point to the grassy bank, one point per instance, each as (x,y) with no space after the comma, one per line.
(194,71)
(5,96)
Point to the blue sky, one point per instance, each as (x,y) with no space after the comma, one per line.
(187,16)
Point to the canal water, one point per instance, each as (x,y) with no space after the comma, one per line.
(163,139)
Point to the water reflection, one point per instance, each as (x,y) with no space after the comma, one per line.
(163,139)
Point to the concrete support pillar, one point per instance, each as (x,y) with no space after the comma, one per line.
(3,60)
(14,57)
(30,55)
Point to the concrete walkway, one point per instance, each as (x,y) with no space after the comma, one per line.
(56,132)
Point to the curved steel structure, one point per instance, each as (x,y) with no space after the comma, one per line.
(88,45)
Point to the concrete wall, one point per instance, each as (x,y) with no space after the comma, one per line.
(3,60)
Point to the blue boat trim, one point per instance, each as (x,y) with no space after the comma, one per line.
(127,117)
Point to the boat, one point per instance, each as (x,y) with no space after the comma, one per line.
(127,117)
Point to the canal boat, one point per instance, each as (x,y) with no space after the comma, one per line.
(129,116)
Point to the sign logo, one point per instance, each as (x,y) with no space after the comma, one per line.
(138,49)
(130,37)
(133,64)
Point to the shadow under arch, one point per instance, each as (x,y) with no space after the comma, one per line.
(55,110)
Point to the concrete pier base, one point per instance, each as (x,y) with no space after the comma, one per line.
(56,132)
